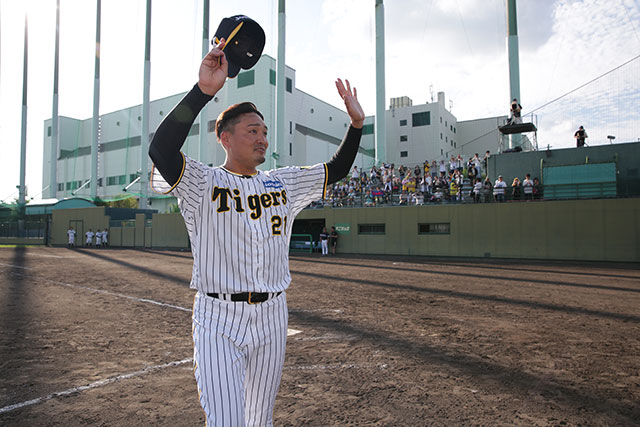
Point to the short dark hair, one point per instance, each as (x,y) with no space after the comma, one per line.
(231,116)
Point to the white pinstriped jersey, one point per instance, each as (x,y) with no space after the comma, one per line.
(240,226)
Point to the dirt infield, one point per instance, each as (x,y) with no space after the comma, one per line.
(103,337)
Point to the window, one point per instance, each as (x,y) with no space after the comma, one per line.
(272,80)
(440,119)
(118,180)
(61,186)
(434,228)
(446,139)
(404,154)
(290,149)
(403,138)
(290,128)
(371,229)
(421,119)
(312,111)
(446,124)
(403,122)
(211,126)
(451,128)
(440,135)
(454,130)
(49,131)
(367,129)
(246,79)
(455,145)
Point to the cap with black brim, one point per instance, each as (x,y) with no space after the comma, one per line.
(244,42)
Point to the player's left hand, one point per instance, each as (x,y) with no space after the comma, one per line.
(350,99)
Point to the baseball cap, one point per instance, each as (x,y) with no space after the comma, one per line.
(245,42)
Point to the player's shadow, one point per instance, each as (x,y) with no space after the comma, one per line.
(17,313)
(493,264)
(183,255)
(482,276)
(480,370)
(471,296)
(105,257)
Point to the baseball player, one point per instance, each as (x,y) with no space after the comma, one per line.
(72,237)
(333,238)
(239,221)
(324,241)
(98,238)
(89,235)
(105,240)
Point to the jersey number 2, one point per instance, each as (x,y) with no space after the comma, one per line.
(277,223)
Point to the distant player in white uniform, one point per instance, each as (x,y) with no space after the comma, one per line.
(72,237)
(239,221)
(98,238)
(105,238)
(324,241)
(89,235)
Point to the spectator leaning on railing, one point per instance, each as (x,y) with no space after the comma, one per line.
(515,189)
(527,187)
(499,189)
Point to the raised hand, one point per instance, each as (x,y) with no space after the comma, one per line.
(350,99)
(213,70)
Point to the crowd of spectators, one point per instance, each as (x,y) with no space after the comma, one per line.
(452,181)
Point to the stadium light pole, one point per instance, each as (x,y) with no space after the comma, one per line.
(23,137)
(514,62)
(55,138)
(144,139)
(204,131)
(280,84)
(96,109)
(380,124)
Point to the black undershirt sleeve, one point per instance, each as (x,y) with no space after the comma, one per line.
(340,164)
(165,146)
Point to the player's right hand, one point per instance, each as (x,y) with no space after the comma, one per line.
(213,70)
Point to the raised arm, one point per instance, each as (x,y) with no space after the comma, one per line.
(340,164)
(164,149)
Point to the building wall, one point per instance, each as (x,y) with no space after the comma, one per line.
(478,136)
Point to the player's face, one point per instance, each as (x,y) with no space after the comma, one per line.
(247,144)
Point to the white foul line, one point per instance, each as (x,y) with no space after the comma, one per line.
(100,291)
(169,365)
(94,385)
(112,379)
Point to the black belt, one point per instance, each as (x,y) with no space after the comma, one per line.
(248,297)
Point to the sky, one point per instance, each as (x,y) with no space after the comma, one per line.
(452,46)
